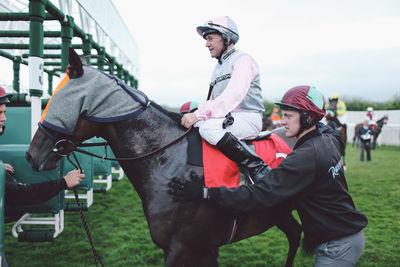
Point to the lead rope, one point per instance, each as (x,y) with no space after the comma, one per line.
(96,256)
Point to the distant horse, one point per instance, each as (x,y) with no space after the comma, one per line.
(189,233)
(378,129)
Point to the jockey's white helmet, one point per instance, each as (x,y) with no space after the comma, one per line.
(223,25)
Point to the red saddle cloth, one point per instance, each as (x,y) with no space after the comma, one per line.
(219,170)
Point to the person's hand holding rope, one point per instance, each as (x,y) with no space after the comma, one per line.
(74,178)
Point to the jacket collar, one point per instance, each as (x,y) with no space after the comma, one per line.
(312,134)
(224,57)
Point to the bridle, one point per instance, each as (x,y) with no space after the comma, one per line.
(59,147)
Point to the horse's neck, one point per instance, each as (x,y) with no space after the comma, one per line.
(141,135)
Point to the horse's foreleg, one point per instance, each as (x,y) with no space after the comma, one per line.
(179,255)
(292,230)
(210,259)
(174,255)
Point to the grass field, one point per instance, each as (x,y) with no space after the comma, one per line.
(121,235)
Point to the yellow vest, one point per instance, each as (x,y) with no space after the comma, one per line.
(340,108)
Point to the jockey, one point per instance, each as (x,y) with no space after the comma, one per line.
(311,177)
(276,119)
(370,117)
(234,106)
(336,109)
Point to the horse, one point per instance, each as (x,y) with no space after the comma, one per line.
(189,233)
(378,129)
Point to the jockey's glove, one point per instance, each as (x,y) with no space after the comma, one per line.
(182,190)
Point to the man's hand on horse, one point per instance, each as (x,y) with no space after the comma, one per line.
(189,119)
(9,168)
(188,190)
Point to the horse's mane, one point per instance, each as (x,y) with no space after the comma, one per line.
(173,115)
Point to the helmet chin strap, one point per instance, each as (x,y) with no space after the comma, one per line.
(306,122)
(226,44)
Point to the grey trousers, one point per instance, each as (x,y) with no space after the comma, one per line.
(342,252)
(367,147)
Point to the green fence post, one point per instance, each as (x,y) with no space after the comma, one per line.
(50,82)
(87,47)
(112,65)
(67,33)
(100,60)
(36,60)
(16,68)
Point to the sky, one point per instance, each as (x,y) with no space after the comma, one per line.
(349,47)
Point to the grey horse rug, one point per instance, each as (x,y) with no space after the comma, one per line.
(95,96)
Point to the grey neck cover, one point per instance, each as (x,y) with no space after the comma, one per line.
(95,96)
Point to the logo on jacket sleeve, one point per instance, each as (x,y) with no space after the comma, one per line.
(335,169)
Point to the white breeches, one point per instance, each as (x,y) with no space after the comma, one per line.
(246,125)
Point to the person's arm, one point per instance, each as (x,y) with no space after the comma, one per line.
(28,194)
(371,131)
(244,71)
(295,173)
(359,133)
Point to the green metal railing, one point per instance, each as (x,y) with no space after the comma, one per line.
(41,11)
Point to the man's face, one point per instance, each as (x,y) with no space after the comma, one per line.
(215,44)
(291,122)
(2,116)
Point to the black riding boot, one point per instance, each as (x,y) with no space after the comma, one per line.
(240,153)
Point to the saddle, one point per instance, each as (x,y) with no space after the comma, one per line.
(221,171)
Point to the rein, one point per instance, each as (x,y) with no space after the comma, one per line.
(145,155)
(58,148)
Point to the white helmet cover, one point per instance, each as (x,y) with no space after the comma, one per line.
(224,25)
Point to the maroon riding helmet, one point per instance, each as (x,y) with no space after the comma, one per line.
(188,107)
(308,101)
(4,96)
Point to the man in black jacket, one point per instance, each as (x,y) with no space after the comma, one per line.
(312,176)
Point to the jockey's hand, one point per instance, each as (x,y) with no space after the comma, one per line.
(189,119)
(187,190)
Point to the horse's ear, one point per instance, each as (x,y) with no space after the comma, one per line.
(75,64)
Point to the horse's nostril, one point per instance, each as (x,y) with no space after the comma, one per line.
(28,156)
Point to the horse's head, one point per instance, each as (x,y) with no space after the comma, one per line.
(82,103)
(382,121)
(385,119)
(49,146)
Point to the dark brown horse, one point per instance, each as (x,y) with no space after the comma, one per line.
(189,233)
(378,129)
